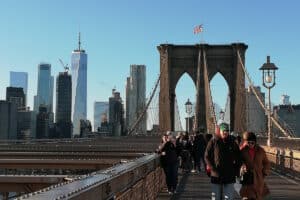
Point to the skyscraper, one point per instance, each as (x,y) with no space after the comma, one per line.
(16,95)
(136,97)
(26,122)
(64,104)
(51,93)
(8,119)
(116,114)
(19,79)
(44,87)
(42,123)
(79,87)
(100,109)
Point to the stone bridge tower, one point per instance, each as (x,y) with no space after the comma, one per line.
(175,60)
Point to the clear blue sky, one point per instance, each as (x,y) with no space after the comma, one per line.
(117,33)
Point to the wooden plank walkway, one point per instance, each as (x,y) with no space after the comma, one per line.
(197,186)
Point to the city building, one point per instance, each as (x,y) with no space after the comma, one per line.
(42,123)
(19,79)
(100,111)
(44,87)
(16,95)
(79,87)
(51,96)
(26,124)
(256,116)
(8,118)
(136,98)
(288,116)
(116,114)
(285,100)
(85,128)
(64,105)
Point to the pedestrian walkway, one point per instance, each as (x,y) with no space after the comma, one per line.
(191,186)
(197,186)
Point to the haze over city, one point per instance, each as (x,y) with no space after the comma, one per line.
(116,34)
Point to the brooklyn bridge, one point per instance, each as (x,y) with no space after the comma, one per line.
(127,167)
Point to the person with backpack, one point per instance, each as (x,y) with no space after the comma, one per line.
(223,160)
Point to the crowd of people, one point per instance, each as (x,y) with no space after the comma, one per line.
(223,157)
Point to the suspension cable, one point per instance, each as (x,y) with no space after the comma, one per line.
(177,113)
(130,130)
(211,104)
(259,98)
(226,104)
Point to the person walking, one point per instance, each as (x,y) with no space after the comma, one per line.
(199,149)
(255,168)
(170,153)
(223,160)
(164,140)
(186,154)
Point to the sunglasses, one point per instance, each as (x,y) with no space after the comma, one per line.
(251,142)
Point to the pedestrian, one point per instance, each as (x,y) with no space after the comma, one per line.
(223,160)
(255,168)
(179,148)
(164,140)
(199,149)
(186,154)
(170,153)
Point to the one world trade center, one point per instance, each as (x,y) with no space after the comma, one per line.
(79,87)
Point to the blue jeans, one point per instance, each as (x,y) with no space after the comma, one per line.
(228,191)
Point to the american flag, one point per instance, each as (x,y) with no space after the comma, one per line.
(198,29)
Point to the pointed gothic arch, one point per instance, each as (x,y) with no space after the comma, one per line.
(177,59)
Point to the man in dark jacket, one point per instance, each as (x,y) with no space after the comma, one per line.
(223,160)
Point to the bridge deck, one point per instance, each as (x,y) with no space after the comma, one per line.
(197,186)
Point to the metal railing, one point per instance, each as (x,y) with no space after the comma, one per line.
(104,184)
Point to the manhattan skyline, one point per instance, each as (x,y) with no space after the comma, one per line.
(117,34)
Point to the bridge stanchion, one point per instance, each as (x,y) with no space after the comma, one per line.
(277,157)
(282,160)
(291,166)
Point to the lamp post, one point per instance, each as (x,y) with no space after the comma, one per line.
(188,110)
(268,78)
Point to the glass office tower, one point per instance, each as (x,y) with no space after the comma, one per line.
(79,87)
(19,79)
(100,110)
(45,87)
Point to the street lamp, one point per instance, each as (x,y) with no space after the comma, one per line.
(188,110)
(268,77)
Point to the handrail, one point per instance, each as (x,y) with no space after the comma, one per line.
(105,183)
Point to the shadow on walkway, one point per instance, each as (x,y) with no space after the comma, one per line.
(191,186)
(197,186)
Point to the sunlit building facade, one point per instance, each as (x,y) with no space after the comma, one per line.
(136,97)
(79,87)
